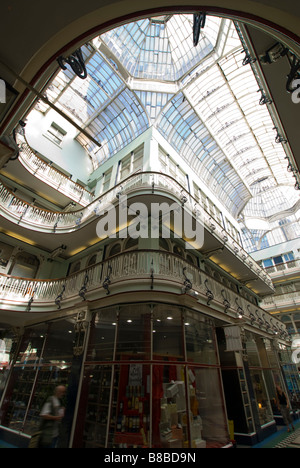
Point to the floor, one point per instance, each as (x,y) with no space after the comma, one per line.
(281,439)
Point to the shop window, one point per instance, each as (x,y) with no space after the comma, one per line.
(200,341)
(130,416)
(262,398)
(277,260)
(95,399)
(167,334)
(134,333)
(102,336)
(208,421)
(43,362)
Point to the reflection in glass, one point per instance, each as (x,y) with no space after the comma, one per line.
(167,333)
(262,399)
(130,410)
(199,337)
(102,336)
(134,333)
(169,415)
(95,399)
(208,424)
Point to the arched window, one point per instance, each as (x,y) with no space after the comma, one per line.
(92,260)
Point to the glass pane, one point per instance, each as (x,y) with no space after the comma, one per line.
(169,414)
(209,424)
(54,371)
(95,400)
(102,336)
(252,351)
(167,333)
(200,341)
(23,376)
(130,414)
(134,332)
(264,407)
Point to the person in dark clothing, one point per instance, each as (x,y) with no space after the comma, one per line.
(284,407)
(51,416)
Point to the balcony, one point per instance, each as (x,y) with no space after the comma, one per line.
(55,179)
(218,244)
(282,302)
(143,272)
(286,269)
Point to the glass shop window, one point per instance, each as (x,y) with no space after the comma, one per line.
(134,333)
(200,340)
(95,404)
(169,411)
(54,370)
(288,257)
(130,413)
(262,398)
(208,420)
(7,347)
(43,362)
(167,334)
(102,336)
(267,263)
(187,408)
(125,167)
(22,379)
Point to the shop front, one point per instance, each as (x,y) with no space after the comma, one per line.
(151,379)
(250,376)
(141,375)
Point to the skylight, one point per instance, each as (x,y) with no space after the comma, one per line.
(202,100)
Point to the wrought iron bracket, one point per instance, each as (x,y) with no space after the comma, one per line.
(199,22)
(83,289)
(208,293)
(59,297)
(187,283)
(107,281)
(240,310)
(76,62)
(294,73)
(226,303)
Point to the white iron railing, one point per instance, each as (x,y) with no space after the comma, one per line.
(51,176)
(150,267)
(32,217)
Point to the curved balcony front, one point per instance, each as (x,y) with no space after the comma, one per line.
(141,273)
(217,242)
(51,176)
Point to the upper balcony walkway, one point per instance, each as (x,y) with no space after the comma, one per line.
(139,271)
(217,241)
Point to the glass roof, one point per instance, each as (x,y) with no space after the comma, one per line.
(202,100)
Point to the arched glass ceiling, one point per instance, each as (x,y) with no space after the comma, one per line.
(160,48)
(202,99)
(273,203)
